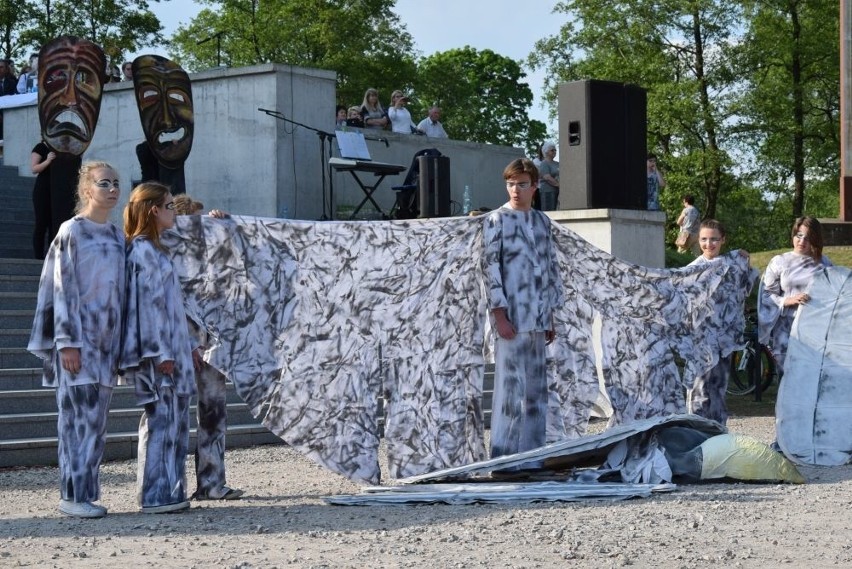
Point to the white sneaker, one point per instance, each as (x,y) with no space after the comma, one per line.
(81,509)
(166,508)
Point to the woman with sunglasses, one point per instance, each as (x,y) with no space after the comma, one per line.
(156,353)
(784,285)
(76,331)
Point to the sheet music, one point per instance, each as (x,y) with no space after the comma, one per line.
(352,145)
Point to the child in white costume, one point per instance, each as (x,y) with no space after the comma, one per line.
(157,353)
(77,331)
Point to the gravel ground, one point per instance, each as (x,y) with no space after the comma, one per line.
(283,522)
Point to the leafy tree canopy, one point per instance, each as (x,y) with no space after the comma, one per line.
(483,96)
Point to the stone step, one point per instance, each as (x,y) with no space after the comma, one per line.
(14,338)
(120,446)
(9,214)
(18,266)
(18,201)
(19,300)
(17,250)
(19,379)
(19,283)
(17,228)
(43,399)
(43,425)
(16,319)
(17,358)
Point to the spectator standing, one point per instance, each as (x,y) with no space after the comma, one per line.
(77,331)
(8,81)
(28,81)
(549,172)
(340,117)
(127,71)
(689,222)
(431,125)
(656,182)
(372,113)
(353,118)
(399,116)
(523,288)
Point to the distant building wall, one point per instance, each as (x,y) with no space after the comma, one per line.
(249,163)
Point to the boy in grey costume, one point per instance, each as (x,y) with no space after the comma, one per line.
(524,288)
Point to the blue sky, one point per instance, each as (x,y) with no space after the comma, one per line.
(507,27)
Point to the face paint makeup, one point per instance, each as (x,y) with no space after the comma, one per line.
(164,98)
(70,86)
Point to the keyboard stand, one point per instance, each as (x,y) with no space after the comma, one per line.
(380,169)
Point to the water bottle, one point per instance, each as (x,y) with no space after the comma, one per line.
(466,202)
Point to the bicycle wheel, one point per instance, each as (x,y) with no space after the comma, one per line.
(741,382)
(768,369)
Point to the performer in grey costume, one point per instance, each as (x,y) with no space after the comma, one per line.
(785,283)
(707,396)
(157,353)
(211,406)
(524,289)
(76,332)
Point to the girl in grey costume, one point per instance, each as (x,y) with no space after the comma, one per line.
(157,353)
(76,331)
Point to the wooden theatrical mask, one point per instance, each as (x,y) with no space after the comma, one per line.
(164,98)
(70,85)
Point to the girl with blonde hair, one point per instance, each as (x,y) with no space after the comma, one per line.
(77,330)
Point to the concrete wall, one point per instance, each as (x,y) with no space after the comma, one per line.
(247,162)
(631,235)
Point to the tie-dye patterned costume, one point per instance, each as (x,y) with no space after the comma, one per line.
(521,276)
(707,396)
(156,331)
(314,322)
(80,300)
(212,419)
(786,275)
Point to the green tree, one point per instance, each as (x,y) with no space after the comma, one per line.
(14,14)
(362,40)
(118,26)
(483,96)
(676,49)
(791,107)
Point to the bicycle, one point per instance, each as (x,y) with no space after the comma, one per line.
(752,366)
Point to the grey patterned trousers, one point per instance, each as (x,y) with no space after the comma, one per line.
(212,426)
(163,444)
(707,396)
(81,430)
(519,405)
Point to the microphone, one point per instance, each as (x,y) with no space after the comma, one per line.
(275,114)
(385,140)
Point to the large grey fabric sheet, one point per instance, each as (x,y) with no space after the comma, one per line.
(813,412)
(314,321)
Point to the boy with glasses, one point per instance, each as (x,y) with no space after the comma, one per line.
(524,287)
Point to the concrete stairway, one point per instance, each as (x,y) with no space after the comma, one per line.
(28,410)
(16,214)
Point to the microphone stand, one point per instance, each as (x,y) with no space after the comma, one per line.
(323,136)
